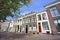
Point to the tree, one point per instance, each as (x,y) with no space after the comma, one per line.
(9,6)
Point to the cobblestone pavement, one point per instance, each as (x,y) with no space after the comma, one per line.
(22,36)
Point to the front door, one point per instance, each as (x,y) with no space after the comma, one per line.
(20,28)
(26,28)
(39,26)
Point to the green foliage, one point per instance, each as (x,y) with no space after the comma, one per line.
(7,6)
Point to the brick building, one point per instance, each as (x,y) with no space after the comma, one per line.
(53,10)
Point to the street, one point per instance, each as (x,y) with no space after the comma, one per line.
(23,36)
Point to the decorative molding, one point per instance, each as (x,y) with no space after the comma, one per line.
(52,4)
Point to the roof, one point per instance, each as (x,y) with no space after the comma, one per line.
(27,14)
(52,3)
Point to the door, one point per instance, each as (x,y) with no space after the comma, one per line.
(26,28)
(20,28)
(39,26)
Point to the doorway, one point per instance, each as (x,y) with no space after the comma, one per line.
(18,28)
(39,27)
(26,28)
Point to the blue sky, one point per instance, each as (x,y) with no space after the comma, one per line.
(35,6)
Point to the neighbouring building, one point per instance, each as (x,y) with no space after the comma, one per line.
(53,12)
(9,26)
(4,26)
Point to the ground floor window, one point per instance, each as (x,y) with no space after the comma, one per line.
(45,26)
(57,24)
(34,27)
(30,28)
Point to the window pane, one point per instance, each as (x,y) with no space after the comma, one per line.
(39,17)
(45,26)
(54,12)
(59,20)
(44,16)
(57,24)
(30,29)
(34,27)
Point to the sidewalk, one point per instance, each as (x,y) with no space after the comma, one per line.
(13,36)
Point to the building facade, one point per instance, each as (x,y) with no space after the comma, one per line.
(34,22)
(53,10)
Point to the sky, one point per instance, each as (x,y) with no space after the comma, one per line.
(35,6)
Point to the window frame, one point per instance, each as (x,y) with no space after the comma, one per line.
(54,12)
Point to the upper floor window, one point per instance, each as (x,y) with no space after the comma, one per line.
(18,20)
(28,20)
(21,21)
(34,18)
(44,16)
(54,12)
(39,17)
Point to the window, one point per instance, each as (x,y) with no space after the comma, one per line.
(34,27)
(54,12)
(33,19)
(20,21)
(45,26)
(23,21)
(44,16)
(57,24)
(39,17)
(30,28)
(28,20)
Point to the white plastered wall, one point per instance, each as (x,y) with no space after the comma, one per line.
(41,21)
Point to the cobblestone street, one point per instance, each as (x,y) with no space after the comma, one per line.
(20,36)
